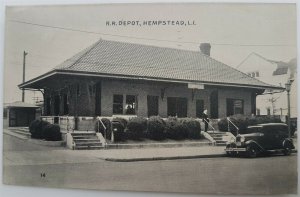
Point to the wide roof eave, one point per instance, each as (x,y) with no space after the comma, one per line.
(77,73)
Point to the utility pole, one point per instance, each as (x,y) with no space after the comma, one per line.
(288,89)
(23,91)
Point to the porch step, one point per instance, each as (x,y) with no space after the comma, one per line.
(218,137)
(86,141)
(20,131)
(83,147)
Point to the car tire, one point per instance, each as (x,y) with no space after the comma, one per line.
(287,151)
(251,152)
(287,148)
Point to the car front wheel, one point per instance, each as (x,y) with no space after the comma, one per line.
(251,151)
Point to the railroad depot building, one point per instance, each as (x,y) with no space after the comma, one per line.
(116,78)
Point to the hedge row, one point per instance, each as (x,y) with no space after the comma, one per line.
(154,128)
(41,129)
(242,122)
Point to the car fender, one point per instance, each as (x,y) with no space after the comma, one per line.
(288,141)
(255,144)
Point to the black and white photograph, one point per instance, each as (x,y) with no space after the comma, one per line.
(186,98)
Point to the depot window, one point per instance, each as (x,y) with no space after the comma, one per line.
(235,106)
(127,106)
(118,104)
(130,106)
(177,106)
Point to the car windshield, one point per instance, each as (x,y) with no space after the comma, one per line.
(253,130)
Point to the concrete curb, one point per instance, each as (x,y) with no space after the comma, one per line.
(163,158)
(168,158)
(158,145)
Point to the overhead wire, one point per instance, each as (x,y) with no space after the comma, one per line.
(145,38)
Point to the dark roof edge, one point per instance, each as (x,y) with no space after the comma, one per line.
(45,75)
(53,72)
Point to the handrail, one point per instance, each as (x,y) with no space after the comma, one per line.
(210,125)
(229,121)
(98,118)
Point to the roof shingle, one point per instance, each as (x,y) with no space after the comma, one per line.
(136,60)
(111,57)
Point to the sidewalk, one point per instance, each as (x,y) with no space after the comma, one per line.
(126,155)
(66,156)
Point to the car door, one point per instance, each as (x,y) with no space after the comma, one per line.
(269,138)
(283,134)
(277,138)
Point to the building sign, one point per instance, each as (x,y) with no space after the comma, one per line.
(196,86)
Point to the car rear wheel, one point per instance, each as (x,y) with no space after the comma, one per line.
(287,151)
(251,151)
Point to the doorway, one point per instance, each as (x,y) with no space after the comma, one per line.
(152,104)
(214,104)
(56,105)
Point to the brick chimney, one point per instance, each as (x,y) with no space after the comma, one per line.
(205,48)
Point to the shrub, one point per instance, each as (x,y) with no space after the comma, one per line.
(118,127)
(156,127)
(37,128)
(193,128)
(242,122)
(239,120)
(263,119)
(101,129)
(122,121)
(136,127)
(52,132)
(175,129)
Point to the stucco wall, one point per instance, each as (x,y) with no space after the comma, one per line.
(142,89)
(86,99)
(242,94)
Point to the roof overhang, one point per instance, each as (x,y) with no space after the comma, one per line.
(30,84)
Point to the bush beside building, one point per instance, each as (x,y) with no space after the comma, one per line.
(41,129)
(154,128)
(242,122)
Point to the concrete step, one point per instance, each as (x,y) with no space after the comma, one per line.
(217,138)
(83,134)
(11,133)
(19,128)
(86,140)
(220,141)
(84,147)
(220,144)
(85,137)
(88,143)
(22,133)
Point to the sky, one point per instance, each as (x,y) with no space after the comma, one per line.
(52,34)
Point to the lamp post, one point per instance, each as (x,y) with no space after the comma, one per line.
(288,89)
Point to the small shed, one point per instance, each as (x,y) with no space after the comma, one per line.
(19,114)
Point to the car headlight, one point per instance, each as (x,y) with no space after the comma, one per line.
(242,139)
(232,140)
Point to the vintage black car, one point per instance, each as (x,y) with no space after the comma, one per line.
(261,138)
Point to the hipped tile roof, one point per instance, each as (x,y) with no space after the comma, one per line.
(136,60)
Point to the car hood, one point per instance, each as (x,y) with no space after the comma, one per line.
(248,136)
(251,135)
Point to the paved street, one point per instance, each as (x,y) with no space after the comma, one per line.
(268,175)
